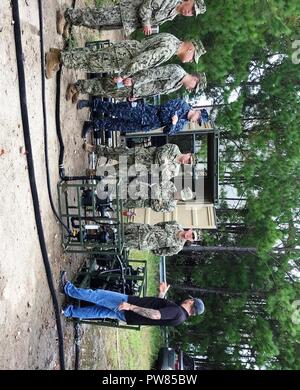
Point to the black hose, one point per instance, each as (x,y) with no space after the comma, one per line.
(58,128)
(74,178)
(77,339)
(31,174)
(45,118)
(77,327)
(62,174)
(61,168)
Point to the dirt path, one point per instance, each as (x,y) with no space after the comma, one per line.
(28,336)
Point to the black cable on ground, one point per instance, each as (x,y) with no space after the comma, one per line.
(77,325)
(77,338)
(62,174)
(58,129)
(31,174)
(45,117)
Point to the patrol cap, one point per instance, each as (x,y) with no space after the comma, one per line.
(197,234)
(199,49)
(195,159)
(200,7)
(186,194)
(202,84)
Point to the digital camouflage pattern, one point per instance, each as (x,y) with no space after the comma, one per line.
(178,107)
(200,7)
(150,82)
(103,17)
(126,57)
(124,117)
(151,12)
(162,238)
(158,197)
(129,14)
(141,117)
(164,157)
(140,13)
(109,59)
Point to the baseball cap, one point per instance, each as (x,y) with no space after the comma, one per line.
(198,305)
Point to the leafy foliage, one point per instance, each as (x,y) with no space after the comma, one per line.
(249,296)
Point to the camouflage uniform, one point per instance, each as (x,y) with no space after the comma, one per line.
(163,156)
(161,197)
(142,117)
(129,14)
(126,58)
(161,238)
(150,82)
(105,18)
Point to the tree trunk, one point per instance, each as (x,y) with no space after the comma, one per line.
(199,248)
(221,291)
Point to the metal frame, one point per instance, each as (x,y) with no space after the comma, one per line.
(159,132)
(88,272)
(69,210)
(118,266)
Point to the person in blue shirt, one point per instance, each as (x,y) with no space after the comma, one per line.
(139,117)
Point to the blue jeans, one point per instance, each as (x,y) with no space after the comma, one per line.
(105,303)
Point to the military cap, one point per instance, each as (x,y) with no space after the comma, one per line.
(197,234)
(186,194)
(200,7)
(202,84)
(196,159)
(199,49)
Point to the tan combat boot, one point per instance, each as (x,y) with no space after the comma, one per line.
(72,93)
(62,26)
(90,172)
(60,22)
(66,32)
(52,62)
(89,147)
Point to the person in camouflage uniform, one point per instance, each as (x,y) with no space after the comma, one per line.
(124,117)
(159,197)
(129,14)
(126,57)
(164,238)
(156,81)
(168,158)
